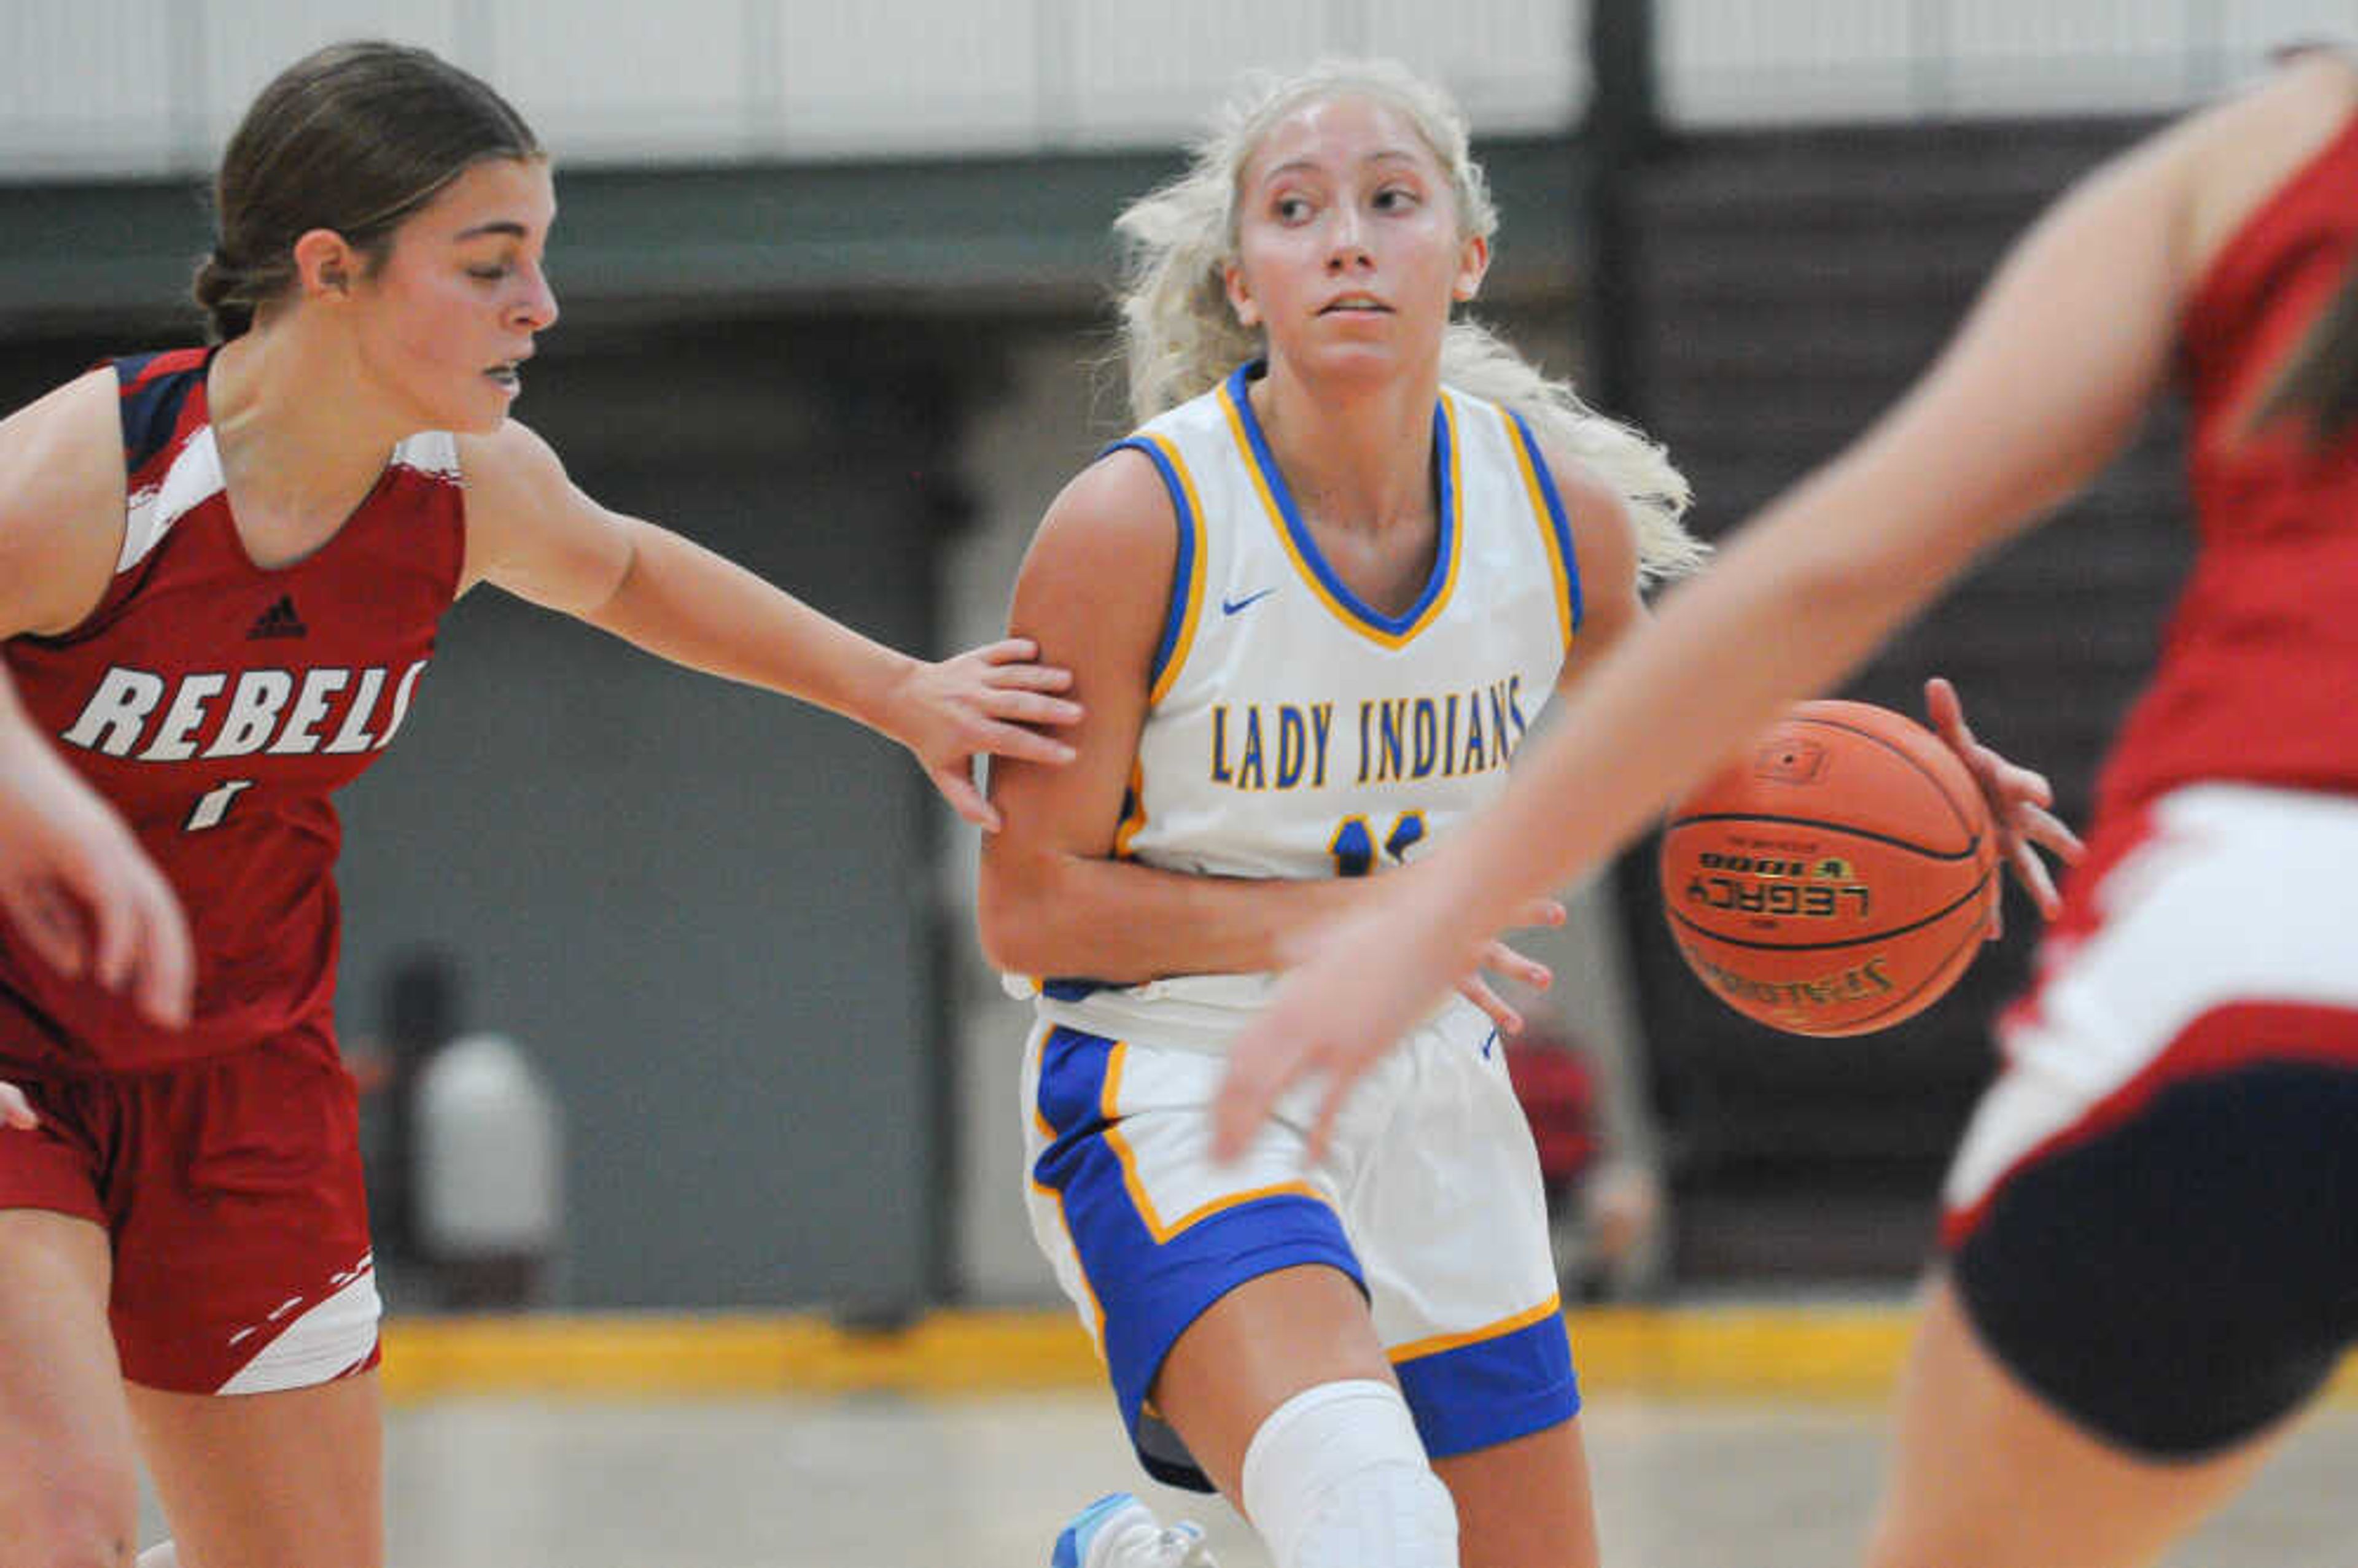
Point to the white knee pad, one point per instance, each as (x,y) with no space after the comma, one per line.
(1337,1478)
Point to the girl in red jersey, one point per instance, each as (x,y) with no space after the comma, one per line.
(2147,1225)
(221,575)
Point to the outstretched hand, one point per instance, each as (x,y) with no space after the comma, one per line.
(80,892)
(983,700)
(1498,959)
(2018,801)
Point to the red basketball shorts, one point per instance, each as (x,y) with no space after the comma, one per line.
(231,1189)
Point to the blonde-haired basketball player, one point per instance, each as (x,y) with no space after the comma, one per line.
(1312,608)
(2148,1223)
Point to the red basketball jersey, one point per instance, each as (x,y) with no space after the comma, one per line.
(2258,676)
(218,704)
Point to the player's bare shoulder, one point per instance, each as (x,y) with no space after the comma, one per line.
(1604,533)
(1096,581)
(516,485)
(2238,152)
(507,467)
(61,504)
(1113,513)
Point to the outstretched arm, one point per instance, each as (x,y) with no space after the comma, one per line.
(75,886)
(531,531)
(2048,375)
(78,887)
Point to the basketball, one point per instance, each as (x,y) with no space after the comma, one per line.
(1836,877)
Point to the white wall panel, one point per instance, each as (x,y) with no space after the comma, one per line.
(110,87)
(115,87)
(892,76)
(246,45)
(90,86)
(2014,56)
(2248,29)
(1741,60)
(627,83)
(1513,67)
(1745,61)
(1147,72)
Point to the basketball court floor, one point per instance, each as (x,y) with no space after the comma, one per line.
(985,1480)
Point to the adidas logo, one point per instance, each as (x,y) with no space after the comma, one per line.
(279,621)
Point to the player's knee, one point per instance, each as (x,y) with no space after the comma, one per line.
(1337,1478)
(84,1517)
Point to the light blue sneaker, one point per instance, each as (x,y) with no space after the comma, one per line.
(1120,1531)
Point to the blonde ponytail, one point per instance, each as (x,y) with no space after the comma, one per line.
(1474,360)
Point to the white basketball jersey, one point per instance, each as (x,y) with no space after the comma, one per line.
(1292,730)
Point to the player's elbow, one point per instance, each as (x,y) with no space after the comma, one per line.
(1002,936)
(1011,916)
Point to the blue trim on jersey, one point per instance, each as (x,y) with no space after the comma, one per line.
(1148,1292)
(1307,546)
(1476,1396)
(1183,571)
(150,413)
(1556,515)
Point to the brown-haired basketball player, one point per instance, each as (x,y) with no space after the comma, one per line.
(222,573)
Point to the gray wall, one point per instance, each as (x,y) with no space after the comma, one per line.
(705,909)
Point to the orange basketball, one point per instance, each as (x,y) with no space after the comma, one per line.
(1837,877)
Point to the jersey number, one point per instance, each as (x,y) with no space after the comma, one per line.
(1353,846)
(213,805)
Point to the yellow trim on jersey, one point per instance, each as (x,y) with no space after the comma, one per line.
(1418,1349)
(1193,615)
(1134,823)
(1047,1130)
(1148,1214)
(1047,1135)
(1561,577)
(1455,521)
(1453,526)
(1196,1215)
(1096,1307)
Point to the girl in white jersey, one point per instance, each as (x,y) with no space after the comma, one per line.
(1311,607)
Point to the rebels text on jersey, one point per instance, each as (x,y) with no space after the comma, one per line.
(217,704)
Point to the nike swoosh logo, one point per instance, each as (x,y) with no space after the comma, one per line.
(1230,606)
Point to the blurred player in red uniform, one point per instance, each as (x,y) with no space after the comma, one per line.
(221,571)
(2147,1224)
